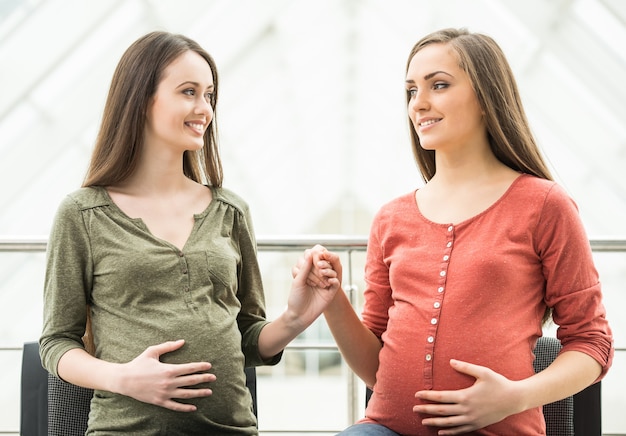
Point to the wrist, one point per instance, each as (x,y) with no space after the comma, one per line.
(522,397)
(115,379)
(292,322)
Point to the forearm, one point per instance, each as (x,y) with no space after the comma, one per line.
(80,368)
(358,345)
(276,335)
(571,372)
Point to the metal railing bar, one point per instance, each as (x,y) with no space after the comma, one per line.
(607,244)
(287,243)
(264,243)
(312,346)
(23,244)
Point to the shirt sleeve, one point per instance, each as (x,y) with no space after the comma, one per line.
(573,288)
(377,293)
(67,285)
(251,318)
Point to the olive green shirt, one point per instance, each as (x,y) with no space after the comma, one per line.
(143,291)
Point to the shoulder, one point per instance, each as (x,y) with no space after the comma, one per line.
(70,219)
(545,206)
(548,193)
(83,199)
(87,198)
(236,208)
(395,214)
(230,199)
(400,205)
(533,185)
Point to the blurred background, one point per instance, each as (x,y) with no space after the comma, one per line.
(313,134)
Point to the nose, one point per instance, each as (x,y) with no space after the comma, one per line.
(203,106)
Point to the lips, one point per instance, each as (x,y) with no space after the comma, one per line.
(198,127)
(429,122)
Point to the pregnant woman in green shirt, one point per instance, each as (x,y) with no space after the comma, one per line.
(160,261)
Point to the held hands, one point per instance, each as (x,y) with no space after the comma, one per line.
(317,277)
(490,399)
(147,379)
(314,286)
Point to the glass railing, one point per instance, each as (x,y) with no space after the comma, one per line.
(312,368)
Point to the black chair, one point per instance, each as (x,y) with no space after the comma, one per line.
(68,407)
(52,407)
(34,395)
(580,414)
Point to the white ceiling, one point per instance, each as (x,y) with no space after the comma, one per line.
(311,115)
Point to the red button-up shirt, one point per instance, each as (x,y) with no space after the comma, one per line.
(476,291)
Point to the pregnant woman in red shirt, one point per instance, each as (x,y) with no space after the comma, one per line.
(462,273)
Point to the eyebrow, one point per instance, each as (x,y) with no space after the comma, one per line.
(431,75)
(196,84)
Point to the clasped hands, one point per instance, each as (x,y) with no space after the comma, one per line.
(317,277)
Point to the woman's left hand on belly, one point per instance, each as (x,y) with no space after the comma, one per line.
(490,399)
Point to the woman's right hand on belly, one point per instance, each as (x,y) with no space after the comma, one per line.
(149,380)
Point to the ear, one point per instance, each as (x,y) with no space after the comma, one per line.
(149,106)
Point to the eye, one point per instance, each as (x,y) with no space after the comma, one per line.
(208,96)
(411,92)
(189,91)
(440,85)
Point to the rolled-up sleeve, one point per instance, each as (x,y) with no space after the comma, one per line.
(67,285)
(573,287)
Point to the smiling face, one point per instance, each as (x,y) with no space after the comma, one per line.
(443,106)
(180,110)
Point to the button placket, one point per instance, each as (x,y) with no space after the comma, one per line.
(185,283)
(437,305)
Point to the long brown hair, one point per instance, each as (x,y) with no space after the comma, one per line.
(135,80)
(510,137)
(120,139)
